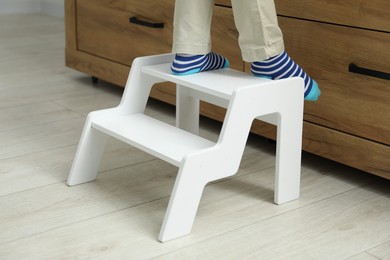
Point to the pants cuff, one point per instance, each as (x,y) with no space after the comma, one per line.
(263,53)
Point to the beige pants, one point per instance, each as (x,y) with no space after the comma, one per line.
(259,34)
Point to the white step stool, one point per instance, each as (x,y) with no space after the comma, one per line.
(199,160)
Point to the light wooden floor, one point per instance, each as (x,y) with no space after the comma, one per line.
(342,213)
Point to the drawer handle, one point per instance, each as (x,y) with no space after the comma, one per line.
(368,72)
(135,20)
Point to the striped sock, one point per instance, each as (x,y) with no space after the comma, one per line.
(185,64)
(281,67)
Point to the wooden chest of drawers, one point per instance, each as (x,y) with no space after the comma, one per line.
(328,38)
(351,121)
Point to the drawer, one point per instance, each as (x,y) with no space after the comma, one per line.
(350,102)
(104,30)
(373,14)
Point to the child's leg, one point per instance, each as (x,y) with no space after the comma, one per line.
(191,26)
(281,67)
(261,42)
(191,38)
(259,34)
(189,64)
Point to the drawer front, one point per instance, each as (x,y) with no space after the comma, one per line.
(103,28)
(351,103)
(373,14)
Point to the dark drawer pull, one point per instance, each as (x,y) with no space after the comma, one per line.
(368,72)
(135,20)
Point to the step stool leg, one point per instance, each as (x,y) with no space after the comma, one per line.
(88,156)
(183,205)
(288,157)
(187,111)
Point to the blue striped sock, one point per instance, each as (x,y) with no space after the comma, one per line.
(281,67)
(189,64)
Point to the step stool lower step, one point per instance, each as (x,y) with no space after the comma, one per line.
(160,139)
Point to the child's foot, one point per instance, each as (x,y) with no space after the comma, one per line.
(189,64)
(281,67)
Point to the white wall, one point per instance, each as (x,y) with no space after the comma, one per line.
(49,7)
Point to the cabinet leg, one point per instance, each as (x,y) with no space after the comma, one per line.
(94,80)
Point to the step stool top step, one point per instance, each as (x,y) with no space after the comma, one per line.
(160,139)
(220,83)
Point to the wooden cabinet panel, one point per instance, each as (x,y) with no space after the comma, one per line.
(349,102)
(373,14)
(351,150)
(103,28)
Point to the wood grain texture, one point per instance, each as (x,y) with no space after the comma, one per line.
(360,153)
(349,102)
(296,236)
(101,68)
(381,251)
(70,24)
(359,13)
(104,30)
